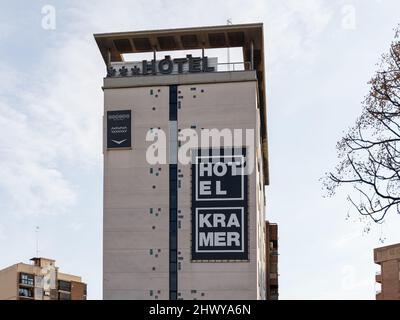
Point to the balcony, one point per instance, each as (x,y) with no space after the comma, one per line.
(25,293)
(274,252)
(274,294)
(378,277)
(273,282)
(273,259)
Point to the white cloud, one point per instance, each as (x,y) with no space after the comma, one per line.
(50,125)
(6,29)
(292,27)
(346,239)
(28,178)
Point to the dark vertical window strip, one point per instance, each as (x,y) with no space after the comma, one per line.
(173,206)
(173,103)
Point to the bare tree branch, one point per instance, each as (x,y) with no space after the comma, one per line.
(369,153)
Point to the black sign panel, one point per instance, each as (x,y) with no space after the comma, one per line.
(119,129)
(219,206)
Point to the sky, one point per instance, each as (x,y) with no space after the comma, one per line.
(320,55)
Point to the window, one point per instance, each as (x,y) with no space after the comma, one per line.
(172,227)
(173,240)
(173,103)
(173,171)
(64,286)
(173,256)
(173,197)
(27,279)
(172,267)
(173,282)
(25,292)
(173,214)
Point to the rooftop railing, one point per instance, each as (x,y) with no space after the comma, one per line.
(233,66)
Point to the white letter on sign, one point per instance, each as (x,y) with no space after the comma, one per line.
(204,220)
(233,221)
(205,167)
(219,191)
(205,187)
(219,239)
(206,240)
(219,219)
(220,173)
(233,239)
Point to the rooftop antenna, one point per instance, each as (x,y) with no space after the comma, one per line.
(37,241)
(229,22)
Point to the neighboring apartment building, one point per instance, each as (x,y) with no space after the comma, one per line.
(271,247)
(389,276)
(40,280)
(173,230)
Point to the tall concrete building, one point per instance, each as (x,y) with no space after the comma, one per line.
(389,276)
(40,280)
(184,220)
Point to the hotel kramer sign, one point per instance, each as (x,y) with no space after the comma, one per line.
(219,206)
(167,65)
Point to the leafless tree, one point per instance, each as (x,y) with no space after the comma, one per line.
(369,153)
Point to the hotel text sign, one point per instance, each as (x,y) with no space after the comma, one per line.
(219,207)
(167,65)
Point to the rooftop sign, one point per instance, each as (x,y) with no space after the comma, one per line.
(167,65)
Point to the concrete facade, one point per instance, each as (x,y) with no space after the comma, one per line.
(389,276)
(131,231)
